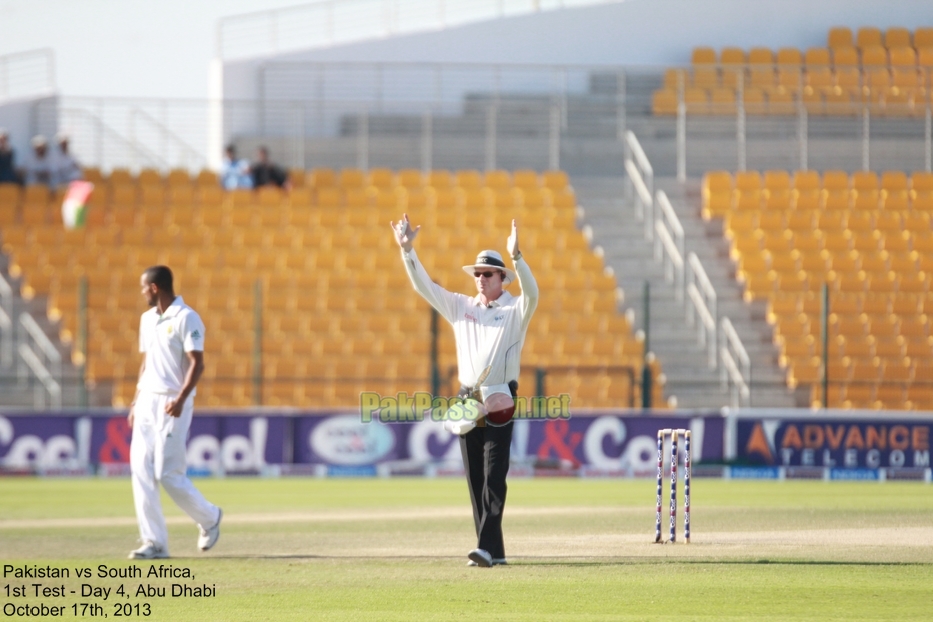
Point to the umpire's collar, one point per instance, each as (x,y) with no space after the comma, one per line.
(498,302)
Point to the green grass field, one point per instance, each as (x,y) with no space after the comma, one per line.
(377,549)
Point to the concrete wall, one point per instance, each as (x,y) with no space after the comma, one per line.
(636,32)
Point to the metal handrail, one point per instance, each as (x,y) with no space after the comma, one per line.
(701,293)
(44,360)
(106,132)
(7,319)
(639,154)
(641,177)
(51,387)
(672,261)
(644,204)
(668,219)
(187,150)
(736,370)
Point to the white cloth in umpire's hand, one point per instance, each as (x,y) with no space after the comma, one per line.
(461,417)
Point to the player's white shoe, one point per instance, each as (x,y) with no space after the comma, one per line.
(149,550)
(495,562)
(208,537)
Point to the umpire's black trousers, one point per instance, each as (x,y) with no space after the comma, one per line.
(486,462)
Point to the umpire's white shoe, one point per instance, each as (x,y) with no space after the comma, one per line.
(208,537)
(481,558)
(149,550)
(495,562)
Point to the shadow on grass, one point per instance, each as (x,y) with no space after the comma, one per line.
(710,562)
(583,563)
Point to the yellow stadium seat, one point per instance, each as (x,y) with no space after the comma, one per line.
(381,178)
(703,56)
(664,102)
(468,178)
(760,56)
(845,57)
(817,58)
(696,101)
(840,36)
(788,58)
(753,99)
(722,101)
(351,178)
(874,56)
(896,37)
(868,36)
(904,57)
(761,76)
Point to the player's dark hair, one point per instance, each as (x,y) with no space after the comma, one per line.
(161,277)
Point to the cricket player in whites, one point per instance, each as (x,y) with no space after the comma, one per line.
(489,329)
(171,338)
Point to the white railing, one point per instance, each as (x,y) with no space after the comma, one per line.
(669,244)
(143,123)
(450,115)
(701,297)
(735,370)
(41,359)
(134,134)
(27,74)
(331,22)
(7,326)
(900,132)
(640,181)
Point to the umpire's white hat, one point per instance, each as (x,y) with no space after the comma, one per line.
(490,259)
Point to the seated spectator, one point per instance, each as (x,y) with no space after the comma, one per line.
(7,160)
(67,168)
(39,168)
(234,173)
(266,173)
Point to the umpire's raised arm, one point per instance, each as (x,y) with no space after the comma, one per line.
(525,279)
(444,301)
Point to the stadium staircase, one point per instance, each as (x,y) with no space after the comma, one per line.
(612,224)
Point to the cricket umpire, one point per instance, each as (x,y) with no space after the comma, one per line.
(171,338)
(489,329)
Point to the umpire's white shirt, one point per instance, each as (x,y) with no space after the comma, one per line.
(486,336)
(165,339)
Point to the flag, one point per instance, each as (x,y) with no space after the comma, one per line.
(75,205)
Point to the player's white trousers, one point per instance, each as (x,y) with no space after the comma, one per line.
(157,455)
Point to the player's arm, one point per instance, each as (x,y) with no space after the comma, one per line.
(444,301)
(195,370)
(192,333)
(132,416)
(525,279)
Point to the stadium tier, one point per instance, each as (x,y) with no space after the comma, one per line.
(889,73)
(336,310)
(868,238)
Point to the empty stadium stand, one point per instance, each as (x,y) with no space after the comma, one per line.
(868,238)
(303,293)
(887,73)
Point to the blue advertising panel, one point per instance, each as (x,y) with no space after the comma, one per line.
(613,442)
(842,441)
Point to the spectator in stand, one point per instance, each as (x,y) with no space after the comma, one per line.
(39,168)
(7,160)
(67,168)
(234,173)
(266,173)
